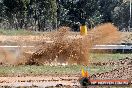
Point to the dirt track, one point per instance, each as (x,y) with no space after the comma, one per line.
(123,72)
(42,81)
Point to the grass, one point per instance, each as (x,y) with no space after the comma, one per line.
(106,57)
(37,70)
(17,32)
(41,70)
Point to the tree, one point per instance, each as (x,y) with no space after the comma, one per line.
(15,12)
(119,16)
(42,15)
(106,8)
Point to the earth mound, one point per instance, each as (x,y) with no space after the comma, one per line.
(123,71)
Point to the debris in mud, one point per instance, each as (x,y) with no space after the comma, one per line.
(123,69)
(121,62)
(71,50)
(124,72)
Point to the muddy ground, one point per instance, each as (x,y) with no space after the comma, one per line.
(123,70)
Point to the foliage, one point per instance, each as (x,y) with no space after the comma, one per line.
(17,32)
(120,18)
(30,14)
(41,15)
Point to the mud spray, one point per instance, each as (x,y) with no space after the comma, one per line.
(6,57)
(67,47)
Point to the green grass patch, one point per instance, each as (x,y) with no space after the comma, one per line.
(38,70)
(106,57)
(17,32)
(41,70)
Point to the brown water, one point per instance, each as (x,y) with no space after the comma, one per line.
(72,49)
(64,47)
(7,57)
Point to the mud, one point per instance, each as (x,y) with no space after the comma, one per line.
(6,57)
(121,62)
(59,47)
(40,81)
(123,70)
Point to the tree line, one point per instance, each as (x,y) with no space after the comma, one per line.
(42,15)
